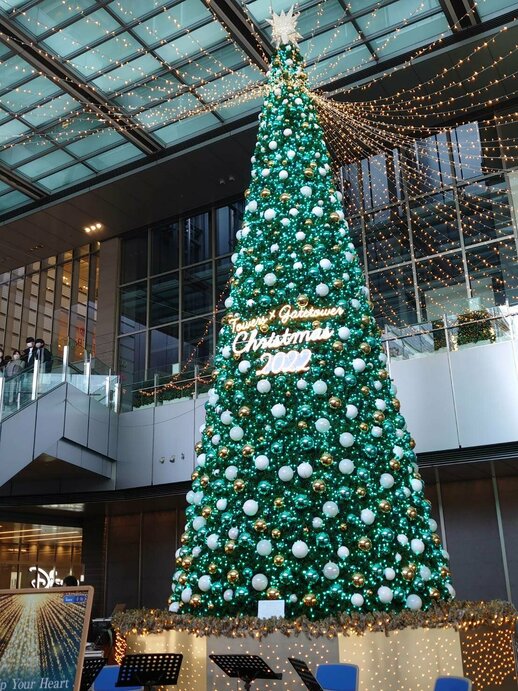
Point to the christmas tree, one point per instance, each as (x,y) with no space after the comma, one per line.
(306,487)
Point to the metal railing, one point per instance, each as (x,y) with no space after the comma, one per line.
(89,375)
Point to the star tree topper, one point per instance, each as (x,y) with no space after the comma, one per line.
(284,27)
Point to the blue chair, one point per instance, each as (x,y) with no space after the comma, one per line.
(340,677)
(107,678)
(452,684)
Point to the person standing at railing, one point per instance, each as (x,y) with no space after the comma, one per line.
(43,356)
(3,361)
(13,378)
(29,354)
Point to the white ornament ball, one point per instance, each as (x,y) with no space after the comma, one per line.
(259,582)
(228,595)
(299,549)
(229,302)
(269,214)
(244,366)
(380,404)
(270,279)
(330,508)
(414,602)
(346,466)
(317,523)
(389,574)
(252,205)
(402,539)
(262,462)
(221,504)
(359,364)
(376,432)
(231,472)
(320,387)
(236,433)
(204,583)
(212,541)
(385,594)
(250,507)
(357,600)
(351,411)
(301,384)
(322,425)
(451,589)
(346,439)
(263,386)
(278,410)
(342,552)
(425,573)
(286,473)
(344,333)
(293,212)
(417,546)
(368,517)
(300,236)
(317,211)
(272,146)
(416,485)
(306,191)
(386,480)
(174,607)
(186,595)
(322,290)
(226,352)
(432,524)
(305,470)
(339,372)
(264,172)
(331,570)
(198,523)
(287,132)
(264,548)
(291,154)
(226,417)
(325,263)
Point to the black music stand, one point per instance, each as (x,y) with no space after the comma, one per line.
(305,674)
(91,668)
(150,669)
(247,668)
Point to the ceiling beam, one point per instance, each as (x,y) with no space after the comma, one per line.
(13,179)
(248,38)
(460,14)
(22,44)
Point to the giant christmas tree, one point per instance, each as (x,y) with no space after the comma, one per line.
(306,487)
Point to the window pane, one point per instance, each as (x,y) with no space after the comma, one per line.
(355,231)
(197,290)
(442,286)
(223,269)
(434,224)
(164,349)
(133,301)
(134,257)
(485,211)
(132,357)
(393,296)
(196,239)
(352,200)
(467,151)
(387,238)
(493,274)
(164,300)
(197,337)
(432,165)
(164,248)
(228,222)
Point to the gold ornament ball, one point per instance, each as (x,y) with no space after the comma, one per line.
(302,424)
(204,480)
(272,594)
(278,560)
(319,486)
(366,320)
(212,567)
(316,324)
(260,525)
(326,459)
(313,164)
(434,594)
(411,512)
(178,561)
(411,443)
(334,216)
(343,527)
(233,576)
(336,248)
(364,427)
(365,348)
(436,539)
(383,374)
(307,249)
(395,464)
(309,600)
(365,390)
(198,447)
(195,475)
(265,192)
(338,283)
(182,580)
(309,172)
(209,431)
(385,506)
(378,417)
(244,411)
(276,533)
(278,502)
(308,222)
(210,605)
(184,539)
(239,485)
(408,573)
(358,579)
(206,511)
(195,600)
(445,572)
(338,346)
(302,300)
(365,544)
(228,384)
(285,197)
(361,491)
(230,546)
(396,404)
(264,328)
(223,452)
(247,192)
(247,450)
(335,402)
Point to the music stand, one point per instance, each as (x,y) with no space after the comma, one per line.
(247,668)
(150,669)
(91,668)
(305,674)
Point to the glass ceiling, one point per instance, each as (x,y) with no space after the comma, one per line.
(168,69)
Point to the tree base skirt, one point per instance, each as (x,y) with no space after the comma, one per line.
(408,659)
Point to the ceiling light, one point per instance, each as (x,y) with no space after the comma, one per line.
(93,227)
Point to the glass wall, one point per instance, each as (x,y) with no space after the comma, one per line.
(433,226)
(54,299)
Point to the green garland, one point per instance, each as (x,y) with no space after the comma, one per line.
(456,614)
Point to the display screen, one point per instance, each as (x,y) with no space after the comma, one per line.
(42,638)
